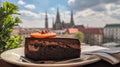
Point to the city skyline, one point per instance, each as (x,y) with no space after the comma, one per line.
(95,13)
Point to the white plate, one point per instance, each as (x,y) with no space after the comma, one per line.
(9,57)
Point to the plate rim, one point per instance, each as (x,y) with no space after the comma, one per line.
(32,64)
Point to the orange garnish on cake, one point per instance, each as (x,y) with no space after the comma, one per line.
(43,34)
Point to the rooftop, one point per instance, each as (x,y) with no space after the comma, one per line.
(112,25)
(79,26)
(92,30)
(72,30)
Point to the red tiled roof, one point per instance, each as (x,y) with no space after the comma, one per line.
(92,30)
(72,30)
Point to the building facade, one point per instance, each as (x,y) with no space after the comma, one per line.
(25,32)
(112,33)
(92,36)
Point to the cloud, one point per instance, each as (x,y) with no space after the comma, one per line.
(21,2)
(93,18)
(53,9)
(29,13)
(65,16)
(30,6)
(112,8)
(32,19)
(85,13)
(70,1)
(97,5)
(32,24)
(96,13)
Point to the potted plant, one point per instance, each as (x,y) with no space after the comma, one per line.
(8,20)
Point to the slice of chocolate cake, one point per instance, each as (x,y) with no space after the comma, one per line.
(52,48)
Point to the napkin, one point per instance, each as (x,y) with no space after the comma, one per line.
(110,55)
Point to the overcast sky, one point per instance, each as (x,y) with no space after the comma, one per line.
(92,13)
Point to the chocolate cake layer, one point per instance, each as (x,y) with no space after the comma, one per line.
(52,48)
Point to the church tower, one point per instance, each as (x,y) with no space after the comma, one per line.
(53,24)
(58,17)
(58,24)
(72,19)
(46,21)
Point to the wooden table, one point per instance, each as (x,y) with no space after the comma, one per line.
(5,64)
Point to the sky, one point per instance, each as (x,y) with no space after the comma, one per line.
(91,13)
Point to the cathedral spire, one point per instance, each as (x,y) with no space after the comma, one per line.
(46,21)
(72,19)
(58,24)
(58,16)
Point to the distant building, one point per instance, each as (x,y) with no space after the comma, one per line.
(46,21)
(59,25)
(72,30)
(79,26)
(25,32)
(16,30)
(112,33)
(93,36)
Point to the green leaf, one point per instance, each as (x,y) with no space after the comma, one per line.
(7,23)
(5,6)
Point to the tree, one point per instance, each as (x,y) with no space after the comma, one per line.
(8,20)
(66,35)
(79,35)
